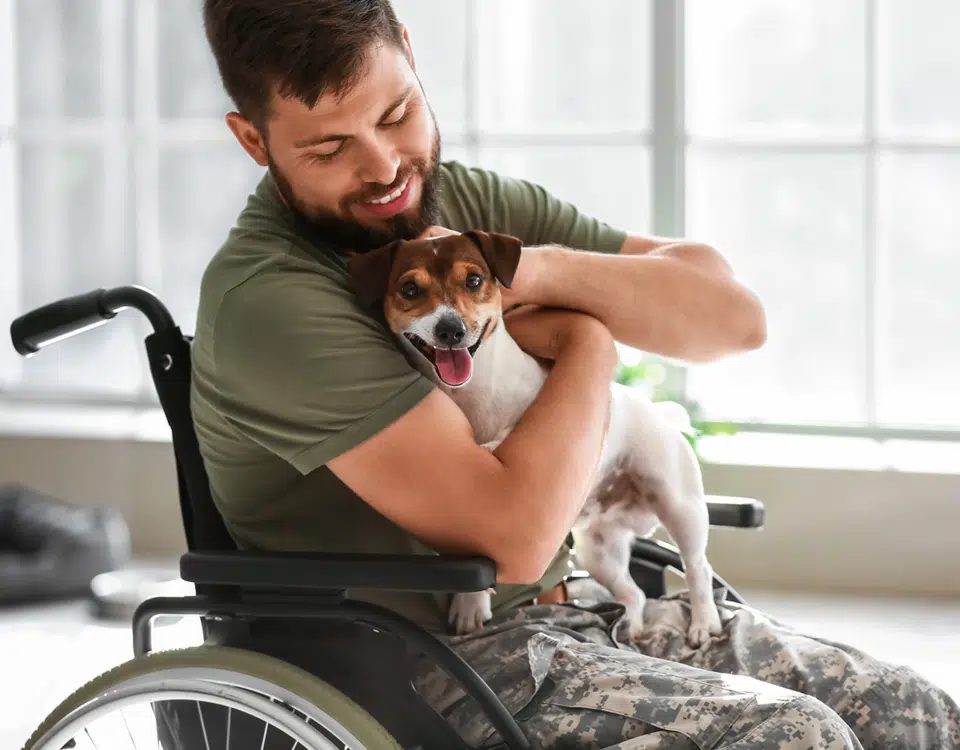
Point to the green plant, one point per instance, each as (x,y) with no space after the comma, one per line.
(651,375)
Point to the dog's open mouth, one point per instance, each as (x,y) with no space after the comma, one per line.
(453,366)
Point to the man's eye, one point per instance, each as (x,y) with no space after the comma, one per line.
(332,149)
(398,116)
(409,290)
(474,281)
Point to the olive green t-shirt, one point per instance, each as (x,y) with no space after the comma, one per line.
(290,371)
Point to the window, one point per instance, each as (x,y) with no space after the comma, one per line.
(824,158)
(816,145)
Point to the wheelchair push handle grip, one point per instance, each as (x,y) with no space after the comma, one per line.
(58,320)
(81,312)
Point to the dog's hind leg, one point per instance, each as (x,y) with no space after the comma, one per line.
(683,513)
(604,550)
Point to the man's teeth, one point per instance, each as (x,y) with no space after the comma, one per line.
(393,196)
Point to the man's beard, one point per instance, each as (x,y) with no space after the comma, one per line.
(351,236)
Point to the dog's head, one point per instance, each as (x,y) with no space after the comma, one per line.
(440,296)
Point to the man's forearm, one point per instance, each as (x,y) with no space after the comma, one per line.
(551,456)
(679,300)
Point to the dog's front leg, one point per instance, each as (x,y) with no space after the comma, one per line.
(469,610)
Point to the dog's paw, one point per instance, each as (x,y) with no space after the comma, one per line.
(630,627)
(703,626)
(469,611)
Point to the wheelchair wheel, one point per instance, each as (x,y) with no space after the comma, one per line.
(209,698)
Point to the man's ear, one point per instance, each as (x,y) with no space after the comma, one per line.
(249,137)
(501,251)
(370,272)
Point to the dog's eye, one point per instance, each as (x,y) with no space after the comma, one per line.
(474,281)
(409,290)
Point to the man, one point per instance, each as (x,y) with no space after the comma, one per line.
(319,435)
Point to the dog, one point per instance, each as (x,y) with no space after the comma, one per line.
(441,298)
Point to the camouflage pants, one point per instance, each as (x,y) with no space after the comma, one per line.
(760,684)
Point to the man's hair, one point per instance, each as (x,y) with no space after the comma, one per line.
(293,48)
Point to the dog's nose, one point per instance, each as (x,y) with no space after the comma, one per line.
(450,330)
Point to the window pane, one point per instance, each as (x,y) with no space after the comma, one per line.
(611,183)
(456,152)
(775,67)
(67,248)
(187,78)
(563,64)
(919,67)
(438,36)
(919,304)
(58,58)
(792,226)
(203,188)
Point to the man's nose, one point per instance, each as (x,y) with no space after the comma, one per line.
(450,330)
(381,163)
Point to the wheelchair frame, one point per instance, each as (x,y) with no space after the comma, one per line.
(235,587)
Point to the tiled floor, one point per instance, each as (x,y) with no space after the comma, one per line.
(46,652)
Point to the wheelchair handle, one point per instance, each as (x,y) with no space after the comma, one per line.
(71,315)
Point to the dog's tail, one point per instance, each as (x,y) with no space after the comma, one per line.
(675,415)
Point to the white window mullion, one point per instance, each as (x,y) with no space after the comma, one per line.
(8,60)
(668,126)
(668,135)
(113,82)
(146,156)
(871,302)
(471,85)
(10,292)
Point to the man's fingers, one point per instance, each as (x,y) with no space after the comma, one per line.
(436,231)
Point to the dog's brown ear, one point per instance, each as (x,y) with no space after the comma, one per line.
(501,251)
(370,272)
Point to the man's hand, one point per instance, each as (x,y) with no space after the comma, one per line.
(546,332)
(435,231)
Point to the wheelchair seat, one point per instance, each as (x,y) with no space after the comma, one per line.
(296,607)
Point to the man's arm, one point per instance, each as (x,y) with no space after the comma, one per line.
(426,473)
(667,296)
(674,298)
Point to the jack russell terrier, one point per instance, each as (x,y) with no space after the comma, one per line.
(441,298)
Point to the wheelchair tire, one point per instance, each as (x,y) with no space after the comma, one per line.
(317,699)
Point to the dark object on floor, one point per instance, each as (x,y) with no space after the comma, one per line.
(52,550)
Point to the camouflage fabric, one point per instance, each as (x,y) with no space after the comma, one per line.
(560,670)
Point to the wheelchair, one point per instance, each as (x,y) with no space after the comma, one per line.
(288,658)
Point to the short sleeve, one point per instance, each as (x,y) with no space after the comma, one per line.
(476,198)
(304,371)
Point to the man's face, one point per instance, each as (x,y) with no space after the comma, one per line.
(362,170)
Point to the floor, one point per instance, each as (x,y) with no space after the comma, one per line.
(47,652)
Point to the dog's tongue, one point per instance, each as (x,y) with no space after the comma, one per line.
(454,365)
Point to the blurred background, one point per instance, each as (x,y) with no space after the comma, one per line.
(816,144)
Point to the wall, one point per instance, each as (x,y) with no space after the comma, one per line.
(839,530)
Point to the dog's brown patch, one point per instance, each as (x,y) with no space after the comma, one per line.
(622,486)
(439,268)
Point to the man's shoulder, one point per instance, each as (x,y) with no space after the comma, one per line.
(466,193)
(475,197)
(265,261)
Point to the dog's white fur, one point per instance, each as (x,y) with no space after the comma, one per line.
(645,455)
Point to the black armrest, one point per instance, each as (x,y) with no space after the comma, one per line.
(738,512)
(305,570)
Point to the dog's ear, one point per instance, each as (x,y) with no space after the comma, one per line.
(501,251)
(370,272)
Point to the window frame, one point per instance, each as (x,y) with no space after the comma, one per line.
(133,135)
